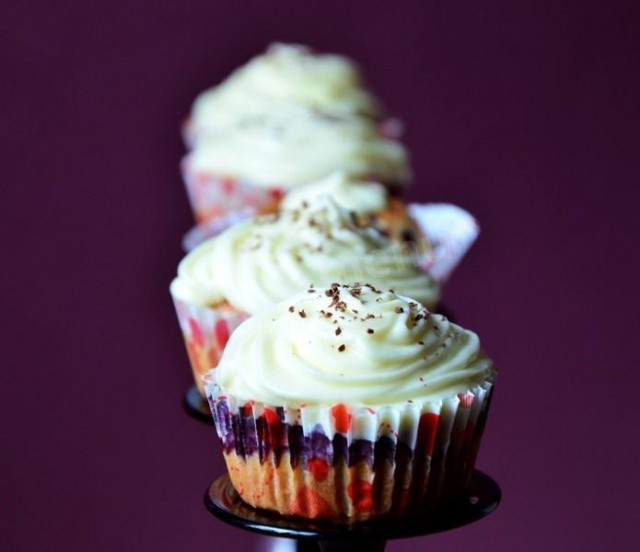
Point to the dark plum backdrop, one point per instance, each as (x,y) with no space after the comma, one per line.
(525,113)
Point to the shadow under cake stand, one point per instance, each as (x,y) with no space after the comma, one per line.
(478,501)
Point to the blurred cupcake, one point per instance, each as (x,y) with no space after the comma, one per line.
(284,120)
(262,261)
(350,403)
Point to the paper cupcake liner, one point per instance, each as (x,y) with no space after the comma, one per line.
(349,464)
(451,231)
(205,331)
(215,197)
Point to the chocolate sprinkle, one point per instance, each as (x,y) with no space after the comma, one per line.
(342,348)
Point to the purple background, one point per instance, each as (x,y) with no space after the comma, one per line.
(525,113)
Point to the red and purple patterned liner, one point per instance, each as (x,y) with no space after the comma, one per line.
(205,331)
(215,199)
(431,448)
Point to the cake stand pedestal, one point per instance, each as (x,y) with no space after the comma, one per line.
(481,498)
(196,406)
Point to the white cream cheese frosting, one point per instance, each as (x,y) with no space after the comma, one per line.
(259,262)
(292,146)
(355,196)
(289,74)
(352,344)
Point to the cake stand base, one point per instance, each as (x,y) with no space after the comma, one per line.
(481,498)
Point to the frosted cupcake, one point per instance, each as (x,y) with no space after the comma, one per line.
(262,261)
(284,120)
(350,403)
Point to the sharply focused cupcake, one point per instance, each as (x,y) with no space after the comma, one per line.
(350,403)
(286,119)
(264,260)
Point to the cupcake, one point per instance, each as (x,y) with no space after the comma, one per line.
(350,403)
(284,120)
(264,260)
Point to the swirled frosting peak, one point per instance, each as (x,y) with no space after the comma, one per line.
(261,261)
(290,146)
(354,344)
(290,117)
(285,74)
(356,196)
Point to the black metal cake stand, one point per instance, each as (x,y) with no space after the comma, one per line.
(481,498)
(196,406)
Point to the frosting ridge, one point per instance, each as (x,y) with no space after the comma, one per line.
(285,73)
(355,196)
(261,261)
(291,146)
(354,344)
